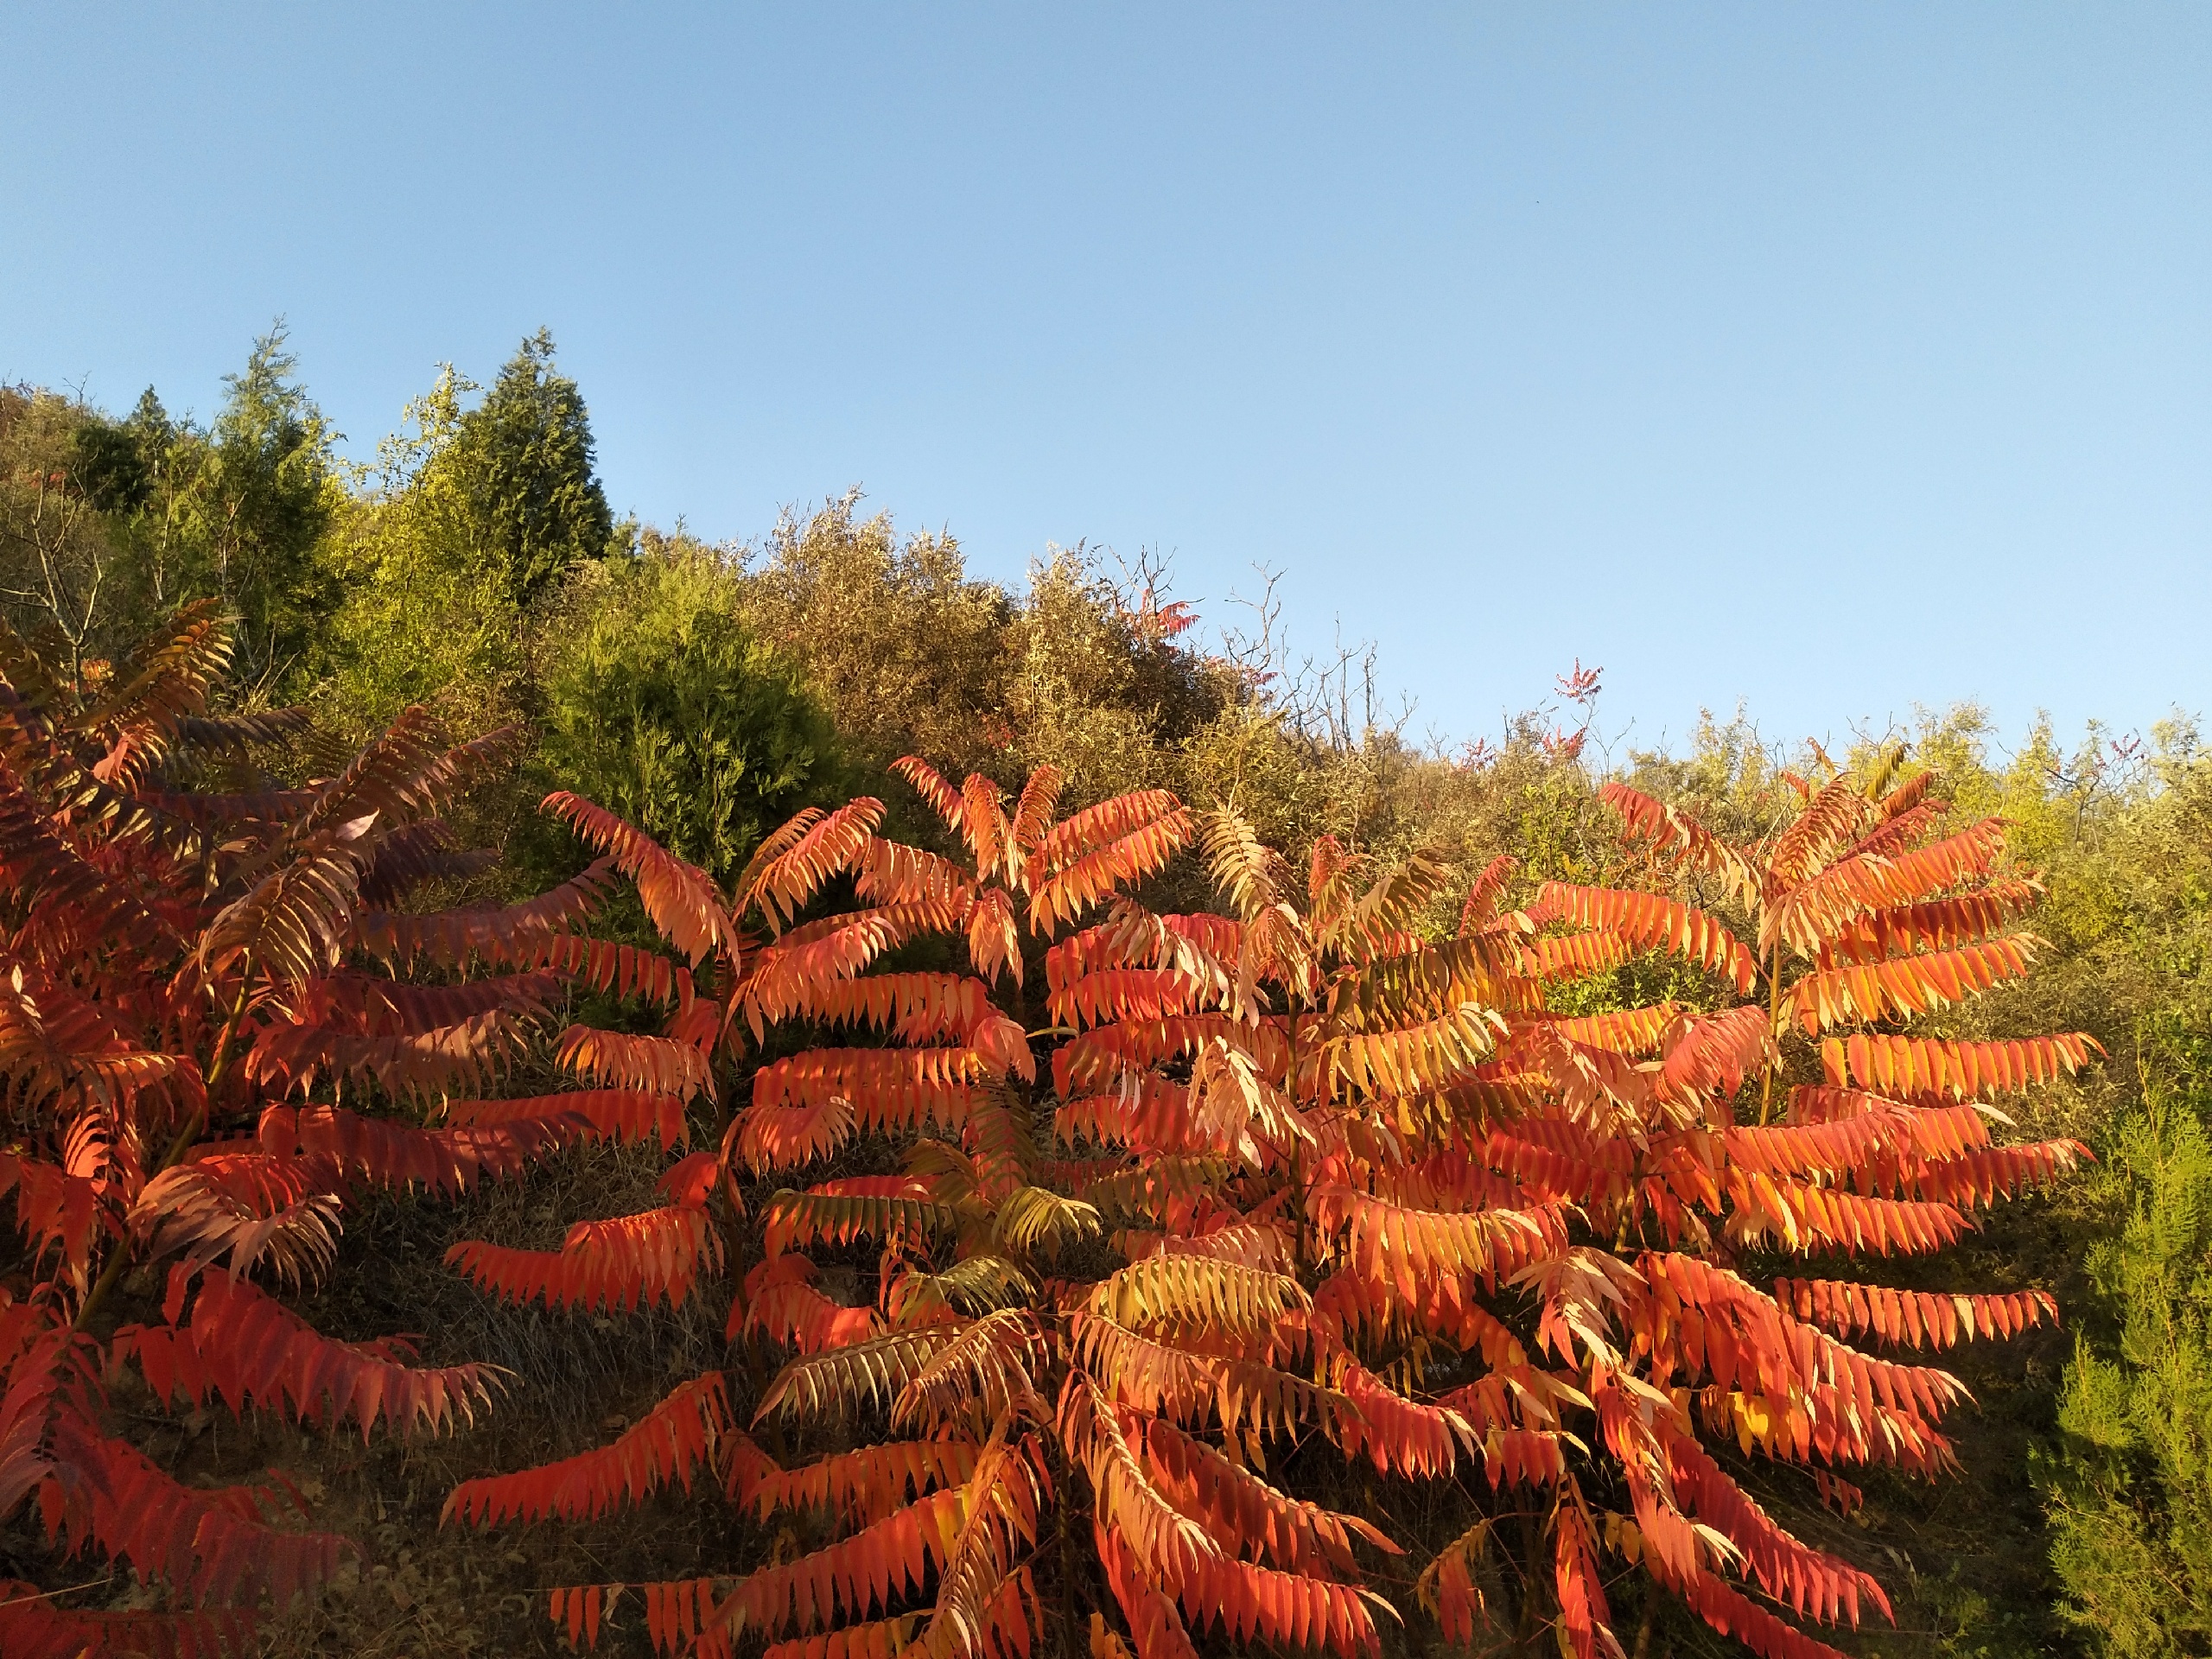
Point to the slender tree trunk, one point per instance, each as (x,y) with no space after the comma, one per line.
(1643,1649)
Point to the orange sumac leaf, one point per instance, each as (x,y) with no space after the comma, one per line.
(1801,1216)
(1924,1066)
(825,848)
(1585,1621)
(661,1449)
(1626,1030)
(1152,1619)
(679,897)
(1673,831)
(620,1060)
(628,1262)
(1034,811)
(1062,891)
(881,1638)
(851,1578)
(1916,1319)
(1401,1247)
(1651,923)
(1567,1165)
(1570,953)
(622,970)
(1938,925)
(888,1087)
(211,1545)
(1410,1059)
(1713,1053)
(1982,1178)
(1111,820)
(253,1350)
(1480,906)
(624,1115)
(288,1059)
(32,1627)
(581,1608)
(1824,907)
(865,1485)
(1836,814)
(944,800)
(1238,1504)
(1732,1614)
(679,1613)
(891,873)
(1447,1587)
(915,1007)
(781,1303)
(1812,1581)
(448,938)
(1115,994)
(1252,1602)
(792,1135)
(1903,986)
(839,1212)
(444,1161)
(1401,1436)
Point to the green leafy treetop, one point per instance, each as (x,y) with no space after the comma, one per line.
(429,616)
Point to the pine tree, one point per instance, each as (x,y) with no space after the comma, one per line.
(524,457)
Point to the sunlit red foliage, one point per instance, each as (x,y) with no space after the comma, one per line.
(207,1052)
(1181,1223)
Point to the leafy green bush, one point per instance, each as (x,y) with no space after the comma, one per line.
(661,706)
(428,616)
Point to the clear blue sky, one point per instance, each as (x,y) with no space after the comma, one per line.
(1834,359)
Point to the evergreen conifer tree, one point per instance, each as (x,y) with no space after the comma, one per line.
(523,456)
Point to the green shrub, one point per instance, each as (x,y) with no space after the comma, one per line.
(660,706)
(2131,1489)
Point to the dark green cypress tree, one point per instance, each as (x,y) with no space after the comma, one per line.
(523,456)
(110,465)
